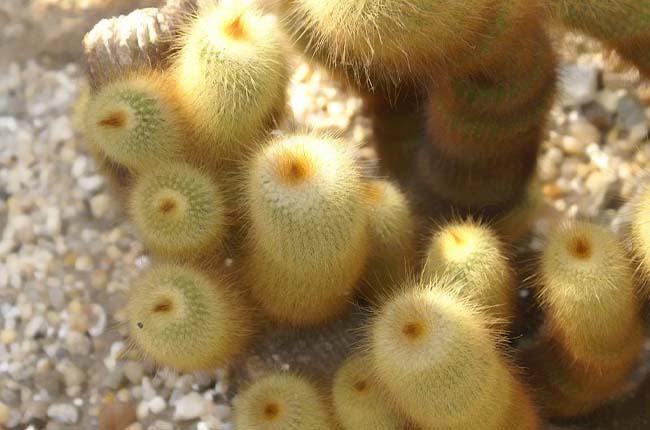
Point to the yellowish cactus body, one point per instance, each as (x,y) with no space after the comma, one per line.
(231,75)
(387,39)
(179,210)
(587,291)
(187,320)
(134,121)
(471,255)
(440,364)
(640,233)
(359,401)
(593,333)
(308,228)
(392,235)
(283,402)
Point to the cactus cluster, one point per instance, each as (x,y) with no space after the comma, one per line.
(464,88)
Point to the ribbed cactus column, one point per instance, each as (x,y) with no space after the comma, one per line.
(486,121)
(621,24)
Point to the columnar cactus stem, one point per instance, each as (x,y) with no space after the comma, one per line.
(593,333)
(231,74)
(309,235)
(441,366)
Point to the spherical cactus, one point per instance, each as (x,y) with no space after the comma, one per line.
(640,233)
(281,401)
(392,236)
(439,362)
(179,210)
(359,400)
(472,256)
(135,121)
(388,39)
(308,228)
(187,320)
(588,294)
(231,74)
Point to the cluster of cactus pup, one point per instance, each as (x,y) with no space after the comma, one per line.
(203,178)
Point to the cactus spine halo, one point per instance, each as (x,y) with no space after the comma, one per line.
(587,291)
(231,74)
(640,232)
(178,210)
(308,227)
(472,255)
(439,362)
(388,39)
(281,401)
(359,401)
(184,319)
(134,121)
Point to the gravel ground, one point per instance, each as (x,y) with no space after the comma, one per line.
(67,255)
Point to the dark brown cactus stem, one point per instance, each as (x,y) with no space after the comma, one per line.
(484,131)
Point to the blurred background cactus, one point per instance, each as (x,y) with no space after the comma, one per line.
(400,271)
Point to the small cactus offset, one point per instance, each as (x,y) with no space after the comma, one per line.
(471,257)
(186,319)
(392,239)
(308,226)
(282,401)
(253,224)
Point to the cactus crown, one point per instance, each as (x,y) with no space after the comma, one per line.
(300,182)
(182,318)
(281,401)
(134,121)
(178,210)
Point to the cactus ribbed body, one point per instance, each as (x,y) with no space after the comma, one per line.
(603,19)
(281,401)
(472,257)
(484,130)
(134,121)
(231,75)
(515,223)
(593,334)
(440,364)
(359,400)
(179,210)
(389,39)
(392,236)
(186,320)
(308,228)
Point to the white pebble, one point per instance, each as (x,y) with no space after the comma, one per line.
(63,413)
(157,405)
(189,407)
